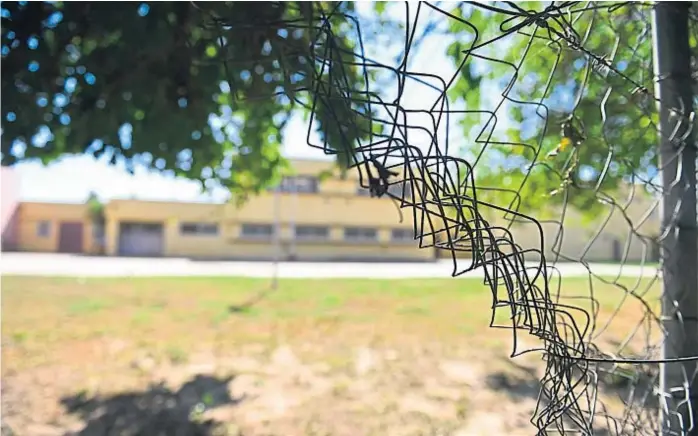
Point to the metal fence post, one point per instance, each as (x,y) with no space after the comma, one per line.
(677,161)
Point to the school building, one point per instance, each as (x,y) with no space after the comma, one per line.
(317,218)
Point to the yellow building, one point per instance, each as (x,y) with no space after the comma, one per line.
(624,232)
(318,219)
(54,227)
(328,219)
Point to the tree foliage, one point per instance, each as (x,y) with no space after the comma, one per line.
(598,88)
(200,90)
(95,208)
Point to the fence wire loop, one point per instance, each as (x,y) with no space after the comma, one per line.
(591,384)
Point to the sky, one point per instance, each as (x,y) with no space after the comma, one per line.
(71,179)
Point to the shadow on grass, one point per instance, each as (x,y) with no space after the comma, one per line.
(519,384)
(523,383)
(631,384)
(157,410)
(246,306)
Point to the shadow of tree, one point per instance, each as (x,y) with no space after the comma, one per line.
(631,384)
(6,430)
(634,385)
(155,411)
(513,384)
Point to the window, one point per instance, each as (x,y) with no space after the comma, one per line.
(312,232)
(259,231)
(360,234)
(141,227)
(395,189)
(402,235)
(363,192)
(43,229)
(307,184)
(199,229)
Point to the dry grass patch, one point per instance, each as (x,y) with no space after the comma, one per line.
(313,357)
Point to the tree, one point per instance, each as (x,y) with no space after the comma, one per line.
(95,210)
(199,90)
(593,96)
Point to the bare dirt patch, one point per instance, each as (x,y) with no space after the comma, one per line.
(273,392)
(168,356)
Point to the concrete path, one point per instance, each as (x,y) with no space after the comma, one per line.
(35,264)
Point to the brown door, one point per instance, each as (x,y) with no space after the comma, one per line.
(70,237)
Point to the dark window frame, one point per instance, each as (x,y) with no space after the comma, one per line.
(325,235)
(363,192)
(43,229)
(141,226)
(407,235)
(198,229)
(395,189)
(303,184)
(257,235)
(361,230)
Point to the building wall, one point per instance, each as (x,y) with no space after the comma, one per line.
(335,212)
(616,235)
(9,207)
(631,231)
(32,214)
(336,205)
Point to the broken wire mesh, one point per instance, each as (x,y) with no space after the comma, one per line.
(465,198)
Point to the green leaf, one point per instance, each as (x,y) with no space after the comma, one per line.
(613,124)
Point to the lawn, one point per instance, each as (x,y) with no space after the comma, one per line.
(315,357)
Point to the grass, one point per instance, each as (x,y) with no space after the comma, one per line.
(44,315)
(96,328)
